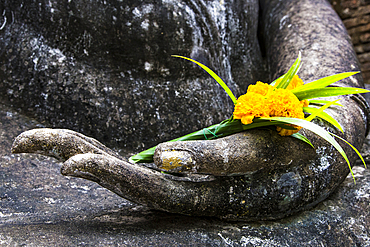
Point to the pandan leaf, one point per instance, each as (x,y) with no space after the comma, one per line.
(355,149)
(321,109)
(319,102)
(327,92)
(301,137)
(225,128)
(214,76)
(143,157)
(274,82)
(324,116)
(291,72)
(318,131)
(323,82)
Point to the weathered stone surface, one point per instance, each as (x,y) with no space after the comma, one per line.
(27,202)
(40,207)
(257,175)
(272,191)
(325,44)
(105,68)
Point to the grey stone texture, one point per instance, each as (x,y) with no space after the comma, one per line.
(39,207)
(93,68)
(104,68)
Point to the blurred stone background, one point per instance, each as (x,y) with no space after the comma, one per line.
(356,17)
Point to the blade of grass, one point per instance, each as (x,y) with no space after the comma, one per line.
(214,76)
(319,102)
(323,82)
(145,156)
(321,109)
(318,131)
(327,92)
(302,138)
(355,149)
(291,72)
(274,82)
(324,116)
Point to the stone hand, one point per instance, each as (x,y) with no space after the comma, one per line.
(251,175)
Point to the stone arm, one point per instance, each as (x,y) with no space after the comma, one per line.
(252,175)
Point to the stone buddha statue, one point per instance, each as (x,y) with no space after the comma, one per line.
(104,69)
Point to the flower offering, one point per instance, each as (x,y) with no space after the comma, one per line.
(284,103)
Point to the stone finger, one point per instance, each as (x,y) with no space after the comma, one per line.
(58,143)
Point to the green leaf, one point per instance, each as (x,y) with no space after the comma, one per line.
(323,82)
(318,131)
(327,92)
(320,110)
(214,76)
(319,102)
(301,137)
(324,116)
(274,82)
(225,128)
(144,156)
(284,83)
(355,149)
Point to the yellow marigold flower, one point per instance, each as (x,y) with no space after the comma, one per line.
(295,82)
(249,106)
(260,88)
(263,100)
(305,103)
(286,132)
(284,103)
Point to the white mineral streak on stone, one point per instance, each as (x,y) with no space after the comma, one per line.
(148,66)
(316,46)
(145,25)
(256,241)
(231,194)
(324,158)
(49,200)
(226,240)
(41,52)
(6,241)
(353,79)
(136,12)
(224,147)
(5,215)
(82,188)
(218,12)
(3,25)
(283,21)
(197,32)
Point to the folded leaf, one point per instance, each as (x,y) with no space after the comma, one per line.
(324,116)
(319,102)
(323,82)
(318,131)
(354,149)
(327,92)
(302,138)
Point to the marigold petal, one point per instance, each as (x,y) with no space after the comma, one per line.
(286,132)
(260,88)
